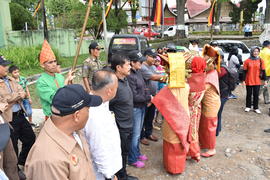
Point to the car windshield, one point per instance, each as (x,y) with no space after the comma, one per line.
(144,44)
(227,47)
(124,44)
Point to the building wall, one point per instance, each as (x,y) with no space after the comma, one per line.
(226,8)
(5,21)
(62,40)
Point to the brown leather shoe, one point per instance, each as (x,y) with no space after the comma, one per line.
(152,138)
(144,142)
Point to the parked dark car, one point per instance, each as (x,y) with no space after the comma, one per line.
(126,42)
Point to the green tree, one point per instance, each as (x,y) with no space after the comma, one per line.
(114,23)
(134,5)
(27,4)
(19,16)
(249,7)
(58,8)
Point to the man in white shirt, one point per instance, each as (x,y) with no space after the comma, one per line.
(101,130)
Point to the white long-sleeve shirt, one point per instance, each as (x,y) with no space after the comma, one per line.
(104,141)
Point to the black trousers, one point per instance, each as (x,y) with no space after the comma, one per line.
(252,91)
(22,131)
(148,121)
(125,137)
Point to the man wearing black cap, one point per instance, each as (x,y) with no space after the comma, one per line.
(91,65)
(61,151)
(141,96)
(12,93)
(151,78)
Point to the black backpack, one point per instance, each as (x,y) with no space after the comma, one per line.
(232,77)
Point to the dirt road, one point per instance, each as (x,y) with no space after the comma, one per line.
(243,149)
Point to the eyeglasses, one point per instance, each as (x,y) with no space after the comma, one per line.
(97,49)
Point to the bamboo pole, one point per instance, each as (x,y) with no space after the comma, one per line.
(82,33)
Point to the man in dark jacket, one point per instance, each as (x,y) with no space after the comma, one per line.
(141,96)
(224,88)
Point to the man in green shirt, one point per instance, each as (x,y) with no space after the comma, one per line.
(91,65)
(49,81)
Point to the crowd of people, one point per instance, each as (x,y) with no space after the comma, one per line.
(93,131)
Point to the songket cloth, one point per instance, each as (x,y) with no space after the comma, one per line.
(196,94)
(210,107)
(172,103)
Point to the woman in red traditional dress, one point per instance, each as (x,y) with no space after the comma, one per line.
(197,89)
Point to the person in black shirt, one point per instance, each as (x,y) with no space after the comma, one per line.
(122,106)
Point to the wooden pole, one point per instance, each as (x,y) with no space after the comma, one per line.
(82,33)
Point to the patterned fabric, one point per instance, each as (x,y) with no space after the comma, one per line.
(194,102)
(23,82)
(46,53)
(208,121)
(89,67)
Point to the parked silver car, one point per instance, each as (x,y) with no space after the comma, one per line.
(226,46)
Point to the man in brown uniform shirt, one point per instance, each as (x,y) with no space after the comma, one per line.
(61,152)
(90,65)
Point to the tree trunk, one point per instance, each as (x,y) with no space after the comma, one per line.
(267,13)
(116,13)
(133,17)
(180,20)
(217,16)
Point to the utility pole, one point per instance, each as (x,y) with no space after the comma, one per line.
(45,28)
(163,14)
(149,23)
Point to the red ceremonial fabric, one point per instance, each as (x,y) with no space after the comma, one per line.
(212,78)
(198,64)
(207,132)
(196,82)
(174,113)
(174,158)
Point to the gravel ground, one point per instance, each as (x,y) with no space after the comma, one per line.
(242,149)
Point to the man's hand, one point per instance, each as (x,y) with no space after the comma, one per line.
(30,101)
(71,75)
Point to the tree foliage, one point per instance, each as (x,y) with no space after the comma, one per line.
(27,4)
(249,7)
(114,23)
(19,15)
(74,18)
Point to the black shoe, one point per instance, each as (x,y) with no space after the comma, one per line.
(268,102)
(267,130)
(132,178)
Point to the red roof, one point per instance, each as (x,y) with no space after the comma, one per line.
(196,7)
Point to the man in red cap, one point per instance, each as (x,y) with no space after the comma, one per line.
(49,81)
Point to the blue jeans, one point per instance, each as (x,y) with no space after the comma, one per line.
(223,101)
(28,108)
(138,118)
